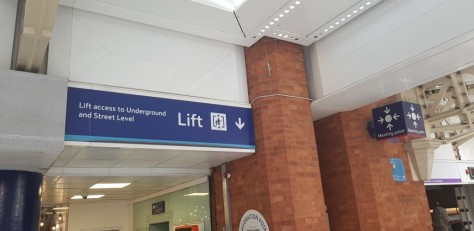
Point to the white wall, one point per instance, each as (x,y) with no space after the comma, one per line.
(7,23)
(99,215)
(466,150)
(396,45)
(99,49)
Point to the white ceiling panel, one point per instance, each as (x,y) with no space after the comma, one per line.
(61,162)
(102,153)
(72,185)
(178,163)
(120,179)
(78,179)
(184,11)
(91,163)
(153,155)
(253,13)
(136,164)
(310,16)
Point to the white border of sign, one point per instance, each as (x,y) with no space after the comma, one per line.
(253,220)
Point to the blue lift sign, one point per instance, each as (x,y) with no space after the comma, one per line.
(399,119)
(102,116)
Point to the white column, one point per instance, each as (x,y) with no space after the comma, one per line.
(421,154)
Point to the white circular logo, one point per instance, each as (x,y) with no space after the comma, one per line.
(252,220)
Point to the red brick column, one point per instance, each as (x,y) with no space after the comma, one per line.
(281,180)
(358,184)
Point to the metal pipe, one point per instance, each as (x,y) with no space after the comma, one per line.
(226,196)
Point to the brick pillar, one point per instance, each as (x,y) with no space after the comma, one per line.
(358,184)
(281,180)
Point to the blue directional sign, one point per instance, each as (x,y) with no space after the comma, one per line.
(101,116)
(398,170)
(399,119)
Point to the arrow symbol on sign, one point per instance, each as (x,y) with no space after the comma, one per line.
(387,110)
(412,108)
(415,124)
(395,116)
(380,120)
(240,124)
(390,126)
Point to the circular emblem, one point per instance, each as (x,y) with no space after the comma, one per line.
(252,220)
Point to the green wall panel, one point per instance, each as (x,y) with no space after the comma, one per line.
(179,209)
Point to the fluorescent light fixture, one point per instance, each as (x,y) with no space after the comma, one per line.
(110,185)
(355,11)
(343,19)
(292,7)
(276,19)
(79,197)
(227,5)
(282,15)
(368,3)
(362,7)
(196,194)
(297,2)
(60,208)
(271,23)
(287,11)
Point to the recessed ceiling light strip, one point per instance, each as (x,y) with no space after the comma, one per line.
(275,19)
(342,19)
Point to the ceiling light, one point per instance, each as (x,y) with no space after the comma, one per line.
(41,224)
(297,2)
(337,23)
(349,15)
(282,15)
(362,7)
(331,27)
(279,35)
(326,30)
(286,36)
(355,11)
(78,197)
(259,33)
(276,19)
(267,27)
(196,194)
(271,23)
(292,7)
(110,185)
(343,19)
(60,208)
(262,30)
(287,11)
(368,3)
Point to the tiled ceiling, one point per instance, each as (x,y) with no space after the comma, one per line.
(149,169)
